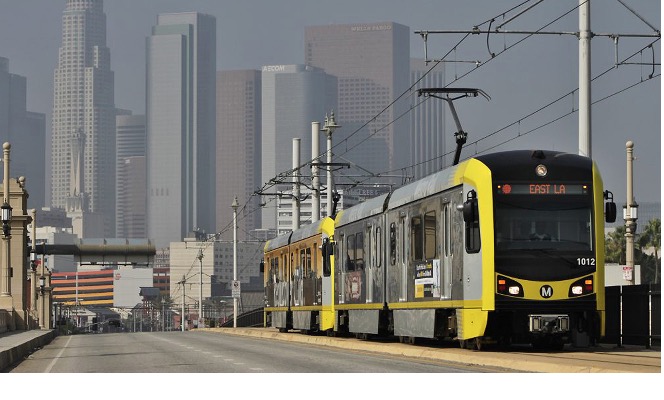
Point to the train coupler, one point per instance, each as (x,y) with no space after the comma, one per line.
(549,323)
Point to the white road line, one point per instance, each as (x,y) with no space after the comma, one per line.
(52,364)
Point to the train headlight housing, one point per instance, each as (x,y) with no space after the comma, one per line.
(582,287)
(508,287)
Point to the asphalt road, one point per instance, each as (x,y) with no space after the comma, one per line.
(209,352)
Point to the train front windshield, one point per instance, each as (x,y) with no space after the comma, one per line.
(544,233)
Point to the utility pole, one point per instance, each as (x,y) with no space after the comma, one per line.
(585,148)
(630,215)
(182,319)
(296,184)
(235,205)
(200,287)
(315,181)
(328,128)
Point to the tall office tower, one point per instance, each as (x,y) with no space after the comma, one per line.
(427,120)
(371,62)
(180,116)
(130,182)
(293,96)
(25,131)
(238,150)
(84,119)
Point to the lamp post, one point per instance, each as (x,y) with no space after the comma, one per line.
(5,284)
(235,205)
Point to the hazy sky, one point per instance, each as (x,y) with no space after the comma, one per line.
(522,78)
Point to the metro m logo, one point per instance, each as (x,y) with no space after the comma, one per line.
(546,291)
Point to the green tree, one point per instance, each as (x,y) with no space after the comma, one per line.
(615,245)
(651,237)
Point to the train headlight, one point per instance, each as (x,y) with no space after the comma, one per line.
(541,170)
(582,287)
(508,287)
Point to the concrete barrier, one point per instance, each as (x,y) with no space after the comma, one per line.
(15,346)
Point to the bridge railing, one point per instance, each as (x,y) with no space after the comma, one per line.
(633,315)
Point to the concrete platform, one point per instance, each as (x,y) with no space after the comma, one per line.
(16,345)
(600,359)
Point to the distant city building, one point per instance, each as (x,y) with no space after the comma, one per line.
(56,235)
(83,136)
(180,116)
(427,120)
(217,266)
(371,62)
(130,192)
(238,151)
(26,133)
(293,96)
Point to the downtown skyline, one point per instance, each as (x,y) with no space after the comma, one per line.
(614,175)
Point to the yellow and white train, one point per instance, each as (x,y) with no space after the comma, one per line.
(505,247)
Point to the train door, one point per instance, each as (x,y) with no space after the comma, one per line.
(447,247)
(402,256)
(327,286)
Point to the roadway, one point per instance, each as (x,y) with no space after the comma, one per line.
(267,350)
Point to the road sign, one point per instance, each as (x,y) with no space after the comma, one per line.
(235,289)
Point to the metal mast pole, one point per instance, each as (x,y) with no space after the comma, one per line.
(235,206)
(296,184)
(630,217)
(182,318)
(200,287)
(328,128)
(315,149)
(585,36)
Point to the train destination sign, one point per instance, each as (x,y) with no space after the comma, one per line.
(542,189)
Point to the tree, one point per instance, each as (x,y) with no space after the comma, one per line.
(652,238)
(615,245)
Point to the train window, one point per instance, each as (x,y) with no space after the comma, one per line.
(303,263)
(446,229)
(307,261)
(350,253)
(379,247)
(472,226)
(359,251)
(416,239)
(326,251)
(393,244)
(314,259)
(430,235)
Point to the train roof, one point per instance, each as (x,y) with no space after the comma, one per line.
(310,230)
(366,209)
(518,165)
(427,186)
(279,241)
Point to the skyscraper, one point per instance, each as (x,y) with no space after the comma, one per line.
(427,120)
(371,62)
(238,150)
(83,136)
(130,182)
(292,97)
(25,131)
(180,116)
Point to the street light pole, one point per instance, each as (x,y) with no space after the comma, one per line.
(630,215)
(5,269)
(235,205)
(200,287)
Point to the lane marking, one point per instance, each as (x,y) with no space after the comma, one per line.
(52,364)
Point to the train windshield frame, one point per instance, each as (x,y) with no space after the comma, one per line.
(544,231)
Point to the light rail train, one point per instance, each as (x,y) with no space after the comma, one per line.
(505,247)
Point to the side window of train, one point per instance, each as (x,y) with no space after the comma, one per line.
(471,218)
(379,246)
(416,241)
(430,235)
(359,251)
(326,250)
(393,243)
(350,253)
(307,263)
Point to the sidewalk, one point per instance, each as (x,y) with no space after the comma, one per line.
(16,345)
